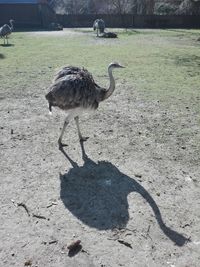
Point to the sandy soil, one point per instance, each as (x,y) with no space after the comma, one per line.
(130,193)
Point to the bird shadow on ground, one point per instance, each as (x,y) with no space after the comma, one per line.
(6,45)
(96,193)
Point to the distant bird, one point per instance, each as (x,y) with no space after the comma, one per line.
(99,26)
(75,91)
(6,30)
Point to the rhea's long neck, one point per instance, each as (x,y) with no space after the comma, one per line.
(112,84)
(11,23)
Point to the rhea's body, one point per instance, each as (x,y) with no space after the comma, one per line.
(75,91)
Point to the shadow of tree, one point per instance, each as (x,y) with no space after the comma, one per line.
(96,193)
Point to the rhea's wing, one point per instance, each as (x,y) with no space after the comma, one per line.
(67,70)
(101,25)
(5,29)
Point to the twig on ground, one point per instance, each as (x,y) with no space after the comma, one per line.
(24,206)
(147,233)
(39,216)
(53,242)
(52,204)
(85,251)
(148,230)
(27,211)
(124,243)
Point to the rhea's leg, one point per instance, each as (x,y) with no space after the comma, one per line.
(81,138)
(66,122)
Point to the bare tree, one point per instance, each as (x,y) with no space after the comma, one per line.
(133,6)
(189,7)
(92,7)
(120,6)
(143,7)
(70,6)
(150,6)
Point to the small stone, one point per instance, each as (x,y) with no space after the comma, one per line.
(138,175)
(28,263)
(74,245)
(11,131)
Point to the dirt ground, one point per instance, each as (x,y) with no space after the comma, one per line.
(131,193)
(64,32)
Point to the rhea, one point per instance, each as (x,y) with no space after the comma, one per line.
(75,91)
(99,26)
(6,30)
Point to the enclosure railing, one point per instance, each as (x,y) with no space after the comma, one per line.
(129,20)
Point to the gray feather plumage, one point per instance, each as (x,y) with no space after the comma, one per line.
(74,87)
(99,24)
(5,30)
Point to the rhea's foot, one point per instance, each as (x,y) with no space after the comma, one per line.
(61,145)
(83,139)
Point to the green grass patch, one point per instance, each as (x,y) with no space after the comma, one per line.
(158,63)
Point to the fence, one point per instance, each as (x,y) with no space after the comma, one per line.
(41,15)
(128,21)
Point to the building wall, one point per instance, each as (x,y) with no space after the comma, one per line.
(27,15)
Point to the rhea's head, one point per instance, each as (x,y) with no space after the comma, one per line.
(115,65)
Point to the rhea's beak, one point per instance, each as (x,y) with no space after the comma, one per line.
(121,66)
